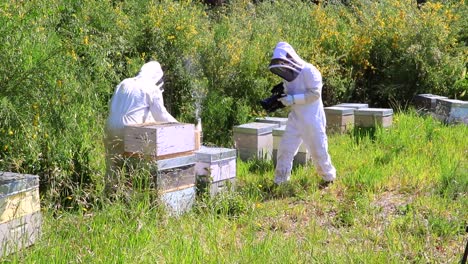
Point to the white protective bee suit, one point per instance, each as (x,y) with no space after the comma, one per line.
(306,121)
(136,100)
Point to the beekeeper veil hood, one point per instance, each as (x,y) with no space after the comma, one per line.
(285,62)
(153,72)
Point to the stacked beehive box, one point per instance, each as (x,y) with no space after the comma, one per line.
(254,140)
(20,215)
(302,156)
(371,117)
(339,119)
(169,150)
(451,111)
(215,169)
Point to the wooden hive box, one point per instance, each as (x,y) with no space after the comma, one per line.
(302,156)
(339,119)
(254,140)
(371,117)
(280,121)
(168,174)
(20,215)
(426,102)
(353,105)
(160,140)
(215,169)
(451,111)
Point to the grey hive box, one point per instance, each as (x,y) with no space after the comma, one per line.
(451,111)
(426,102)
(254,140)
(20,215)
(215,169)
(174,179)
(339,119)
(371,117)
(302,156)
(280,121)
(159,140)
(353,105)
(170,173)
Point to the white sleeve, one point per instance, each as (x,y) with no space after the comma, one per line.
(157,108)
(314,85)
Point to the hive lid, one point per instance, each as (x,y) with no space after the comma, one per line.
(339,110)
(453,102)
(11,183)
(176,162)
(272,120)
(430,96)
(255,128)
(211,154)
(353,105)
(279,131)
(373,112)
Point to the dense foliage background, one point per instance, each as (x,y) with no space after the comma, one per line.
(62,59)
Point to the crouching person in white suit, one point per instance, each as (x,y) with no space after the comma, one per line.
(135,100)
(306,122)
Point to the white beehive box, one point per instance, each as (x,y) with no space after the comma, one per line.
(302,156)
(426,102)
(20,216)
(215,167)
(179,200)
(451,110)
(280,121)
(353,105)
(371,117)
(254,140)
(339,119)
(160,140)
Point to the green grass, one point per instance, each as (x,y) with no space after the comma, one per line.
(401,197)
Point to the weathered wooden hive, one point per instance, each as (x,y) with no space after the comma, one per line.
(20,211)
(371,117)
(254,140)
(302,157)
(451,111)
(215,169)
(426,102)
(339,119)
(160,140)
(168,151)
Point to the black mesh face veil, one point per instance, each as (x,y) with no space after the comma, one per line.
(284,69)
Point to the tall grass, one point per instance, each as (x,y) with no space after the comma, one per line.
(400,197)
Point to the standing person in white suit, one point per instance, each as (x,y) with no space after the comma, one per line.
(306,122)
(136,100)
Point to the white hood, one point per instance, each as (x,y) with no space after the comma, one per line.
(285,52)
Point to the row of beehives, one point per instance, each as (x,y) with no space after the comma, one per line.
(260,139)
(442,108)
(180,169)
(20,211)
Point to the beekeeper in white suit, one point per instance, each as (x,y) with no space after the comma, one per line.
(306,121)
(136,100)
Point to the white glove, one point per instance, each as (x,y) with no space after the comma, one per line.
(287,100)
(292,99)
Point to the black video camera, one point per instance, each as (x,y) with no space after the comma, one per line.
(271,103)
